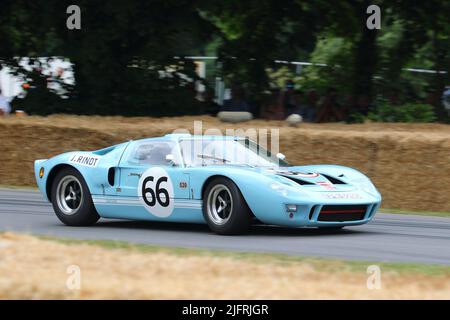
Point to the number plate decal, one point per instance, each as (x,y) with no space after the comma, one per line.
(155,191)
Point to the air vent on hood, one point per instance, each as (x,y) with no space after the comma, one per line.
(299,181)
(333,180)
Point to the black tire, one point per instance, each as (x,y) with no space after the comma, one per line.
(83,212)
(239,216)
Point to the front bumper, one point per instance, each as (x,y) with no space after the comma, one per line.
(319,215)
(313,216)
(322,209)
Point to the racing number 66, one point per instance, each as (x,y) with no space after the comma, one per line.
(155,194)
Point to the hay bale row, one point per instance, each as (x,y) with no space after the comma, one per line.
(410,164)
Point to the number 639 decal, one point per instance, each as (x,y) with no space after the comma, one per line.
(155,191)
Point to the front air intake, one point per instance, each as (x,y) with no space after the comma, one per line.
(339,213)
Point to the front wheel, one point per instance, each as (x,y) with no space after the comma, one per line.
(71,199)
(224,208)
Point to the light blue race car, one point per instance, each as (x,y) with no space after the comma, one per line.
(227,182)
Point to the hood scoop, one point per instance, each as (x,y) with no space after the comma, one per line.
(332,179)
(297,180)
(323,180)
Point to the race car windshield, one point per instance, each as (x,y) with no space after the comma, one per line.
(244,152)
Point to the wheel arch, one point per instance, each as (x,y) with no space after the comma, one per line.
(208,181)
(52,175)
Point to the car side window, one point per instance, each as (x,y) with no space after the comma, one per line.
(151,153)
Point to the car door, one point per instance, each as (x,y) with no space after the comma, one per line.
(149,180)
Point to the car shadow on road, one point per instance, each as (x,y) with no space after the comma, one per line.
(255,230)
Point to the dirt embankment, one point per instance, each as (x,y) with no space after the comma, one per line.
(31,268)
(409,163)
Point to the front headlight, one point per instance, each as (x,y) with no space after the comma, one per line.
(280,188)
(367,186)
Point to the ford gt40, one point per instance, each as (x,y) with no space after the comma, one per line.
(226,182)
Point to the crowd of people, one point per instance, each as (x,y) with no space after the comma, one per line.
(281,103)
(5,107)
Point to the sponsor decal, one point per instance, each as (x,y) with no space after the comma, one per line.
(87,160)
(343,195)
(327,185)
(155,191)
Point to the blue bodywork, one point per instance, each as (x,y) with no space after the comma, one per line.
(114,183)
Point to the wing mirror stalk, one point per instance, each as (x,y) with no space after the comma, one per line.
(281,156)
(170,158)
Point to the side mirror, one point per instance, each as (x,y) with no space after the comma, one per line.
(281,156)
(170,158)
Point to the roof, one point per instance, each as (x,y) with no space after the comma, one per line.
(184,136)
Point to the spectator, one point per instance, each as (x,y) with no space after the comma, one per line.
(56,81)
(432,98)
(312,98)
(363,105)
(356,110)
(207,98)
(289,102)
(446,99)
(394,98)
(330,109)
(349,108)
(306,106)
(312,102)
(273,108)
(297,104)
(237,101)
(5,108)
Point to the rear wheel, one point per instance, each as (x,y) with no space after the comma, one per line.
(224,208)
(71,199)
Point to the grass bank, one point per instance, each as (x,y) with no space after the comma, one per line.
(42,268)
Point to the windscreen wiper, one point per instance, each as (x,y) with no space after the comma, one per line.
(204,156)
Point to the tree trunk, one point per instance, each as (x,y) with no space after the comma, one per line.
(365,62)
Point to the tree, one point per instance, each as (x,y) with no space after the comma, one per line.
(123,56)
(255,33)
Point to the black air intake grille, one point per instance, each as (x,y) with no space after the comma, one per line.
(342,213)
(332,179)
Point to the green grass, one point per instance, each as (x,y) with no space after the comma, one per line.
(419,213)
(320,264)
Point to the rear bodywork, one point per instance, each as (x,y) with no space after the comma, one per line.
(323,195)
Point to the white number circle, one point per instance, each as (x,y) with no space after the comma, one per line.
(155,191)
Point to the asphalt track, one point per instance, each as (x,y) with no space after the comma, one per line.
(388,238)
